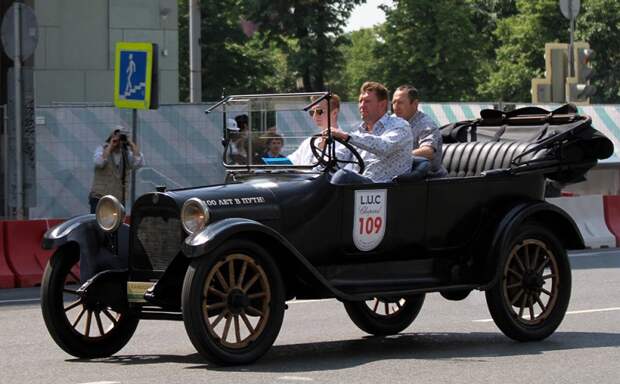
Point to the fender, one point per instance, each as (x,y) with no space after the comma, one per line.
(205,241)
(555,218)
(99,251)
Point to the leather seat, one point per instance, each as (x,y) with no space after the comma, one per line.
(472,158)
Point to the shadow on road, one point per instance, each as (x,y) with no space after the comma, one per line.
(334,355)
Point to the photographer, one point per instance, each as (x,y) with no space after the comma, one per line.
(113,162)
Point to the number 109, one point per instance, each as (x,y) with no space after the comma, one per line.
(370,225)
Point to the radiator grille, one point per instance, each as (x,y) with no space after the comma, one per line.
(161,240)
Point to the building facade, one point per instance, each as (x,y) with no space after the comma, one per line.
(74,59)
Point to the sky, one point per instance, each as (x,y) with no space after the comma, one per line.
(366,15)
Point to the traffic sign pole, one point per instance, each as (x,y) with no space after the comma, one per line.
(571,59)
(134,139)
(19,213)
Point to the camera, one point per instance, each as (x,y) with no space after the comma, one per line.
(122,136)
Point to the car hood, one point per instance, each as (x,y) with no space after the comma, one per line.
(257,199)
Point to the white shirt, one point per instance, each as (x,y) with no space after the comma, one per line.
(303,154)
(386,150)
(134,161)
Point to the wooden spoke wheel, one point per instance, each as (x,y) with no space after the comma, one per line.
(233,303)
(531,297)
(383,316)
(81,326)
(385,308)
(236,300)
(531,281)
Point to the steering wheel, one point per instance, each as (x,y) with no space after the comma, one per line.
(322,156)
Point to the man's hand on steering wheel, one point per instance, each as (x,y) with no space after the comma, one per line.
(323,154)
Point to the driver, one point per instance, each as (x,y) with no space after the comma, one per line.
(303,154)
(384,141)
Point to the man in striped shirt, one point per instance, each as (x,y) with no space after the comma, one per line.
(427,141)
(384,141)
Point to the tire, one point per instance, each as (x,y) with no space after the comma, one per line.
(455,295)
(386,316)
(84,330)
(531,297)
(247,292)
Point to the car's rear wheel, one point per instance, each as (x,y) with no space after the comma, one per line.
(531,297)
(233,303)
(457,295)
(384,316)
(81,327)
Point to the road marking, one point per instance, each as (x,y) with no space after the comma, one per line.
(288,302)
(102,382)
(308,301)
(18,301)
(295,378)
(568,313)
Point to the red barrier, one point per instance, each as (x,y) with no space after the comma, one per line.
(7,278)
(612,215)
(23,250)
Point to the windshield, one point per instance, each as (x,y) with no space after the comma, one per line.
(272,130)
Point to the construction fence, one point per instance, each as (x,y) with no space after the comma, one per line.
(182,146)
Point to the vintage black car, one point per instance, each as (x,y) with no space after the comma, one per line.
(225,258)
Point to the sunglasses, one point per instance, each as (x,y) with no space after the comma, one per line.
(317,111)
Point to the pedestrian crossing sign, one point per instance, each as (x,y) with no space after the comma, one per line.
(135,73)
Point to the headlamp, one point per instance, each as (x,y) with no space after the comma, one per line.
(194,215)
(110,213)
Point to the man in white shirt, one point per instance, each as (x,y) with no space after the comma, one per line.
(303,154)
(113,161)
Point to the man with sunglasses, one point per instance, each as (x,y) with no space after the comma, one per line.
(383,140)
(113,161)
(303,154)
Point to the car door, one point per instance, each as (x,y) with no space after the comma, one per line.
(383,221)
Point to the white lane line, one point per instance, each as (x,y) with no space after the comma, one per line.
(295,378)
(288,302)
(568,313)
(308,301)
(18,301)
(592,254)
(594,310)
(102,382)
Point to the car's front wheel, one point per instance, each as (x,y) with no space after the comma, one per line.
(233,303)
(384,316)
(81,326)
(531,297)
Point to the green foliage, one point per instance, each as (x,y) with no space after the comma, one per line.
(316,30)
(520,55)
(231,61)
(599,24)
(358,65)
(433,45)
(452,50)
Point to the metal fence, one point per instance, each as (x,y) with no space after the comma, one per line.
(181,145)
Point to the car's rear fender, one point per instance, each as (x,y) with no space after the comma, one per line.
(98,251)
(291,262)
(552,217)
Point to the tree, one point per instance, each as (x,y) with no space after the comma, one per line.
(520,55)
(232,62)
(599,24)
(433,45)
(308,31)
(358,61)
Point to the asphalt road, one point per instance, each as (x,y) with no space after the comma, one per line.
(450,342)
